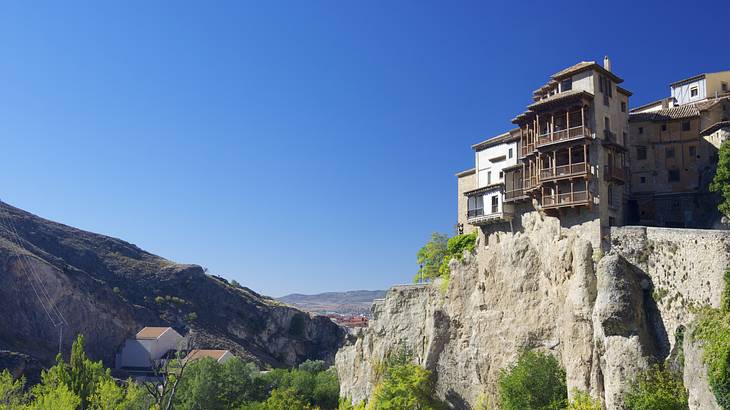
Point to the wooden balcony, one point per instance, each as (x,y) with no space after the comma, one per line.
(565,171)
(529,183)
(614,174)
(515,195)
(563,135)
(528,149)
(480,217)
(568,199)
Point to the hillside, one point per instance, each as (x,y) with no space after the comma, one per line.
(108,289)
(356,302)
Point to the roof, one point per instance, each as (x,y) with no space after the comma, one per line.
(624,91)
(583,66)
(572,94)
(466,172)
(695,78)
(152,332)
(714,127)
(674,113)
(484,189)
(196,354)
(506,137)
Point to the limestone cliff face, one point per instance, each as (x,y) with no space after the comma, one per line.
(540,288)
(108,289)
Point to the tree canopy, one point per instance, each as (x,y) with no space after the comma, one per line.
(721,182)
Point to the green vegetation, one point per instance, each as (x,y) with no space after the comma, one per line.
(403,385)
(80,383)
(713,328)
(435,255)
(535,382)
(657,389)
(721,182)
(583,401)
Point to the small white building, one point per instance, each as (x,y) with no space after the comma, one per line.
(701,87)
(220,356)
(486,202)
(148,345)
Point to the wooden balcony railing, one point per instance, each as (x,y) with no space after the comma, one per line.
(529,183)
(573,198)
(563,135)
(528,149)
(612,172)
(514,194)
(564,171)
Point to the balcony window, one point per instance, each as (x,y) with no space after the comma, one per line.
(475,206)
(495,204)
(566,85)
(673,175)
(509,153)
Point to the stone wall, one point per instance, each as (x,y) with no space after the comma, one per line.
(686,267)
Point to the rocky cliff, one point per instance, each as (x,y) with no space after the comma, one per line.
(605,317)
(108,289)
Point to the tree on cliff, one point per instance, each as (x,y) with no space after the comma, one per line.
(721,182)
(535,382)
(431,256)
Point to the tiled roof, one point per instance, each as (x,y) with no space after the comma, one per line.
(714,127)
(201,353)
(559,97)
(674,113)
(151,332)
(507,136)
(585,65)
(695,77)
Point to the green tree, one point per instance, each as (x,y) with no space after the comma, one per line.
(11,391)
(583,401)
(56,397)
(431,256)
(108,395)
(405,386)
(657,389)
(285,399)
(721,181)
(201,386)
(535,382)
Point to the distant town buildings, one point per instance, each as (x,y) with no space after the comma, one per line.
(579,153)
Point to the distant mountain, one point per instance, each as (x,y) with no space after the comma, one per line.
(108,289)
(355,302)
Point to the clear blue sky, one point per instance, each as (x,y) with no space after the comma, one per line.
(299,146)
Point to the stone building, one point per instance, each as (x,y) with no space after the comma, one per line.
(673,153)
(571,161)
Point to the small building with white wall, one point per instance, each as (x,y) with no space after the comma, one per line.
(220,356)
(149,345)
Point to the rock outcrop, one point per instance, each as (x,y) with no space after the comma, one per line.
(108,289)
(541,288)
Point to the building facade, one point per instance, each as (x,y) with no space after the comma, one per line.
(673,153)
(571,155)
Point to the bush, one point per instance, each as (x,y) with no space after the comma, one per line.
(536,381)
(657,389)
(713,328)
(583,401)
(434,257)
(721,181)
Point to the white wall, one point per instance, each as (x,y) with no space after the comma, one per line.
(494,159)
(142,352)
(682,92)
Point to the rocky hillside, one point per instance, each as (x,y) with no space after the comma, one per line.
(604,317)
(108,289)
(355,302)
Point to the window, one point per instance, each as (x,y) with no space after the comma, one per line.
(673,175)
(501,175)
(607,123)
(623,106)
(641,152)
(495,204)
(685,126)
(489,177)
(724,86)
(694,92)
(509,153)
(641,130)
(669,152)
(664,127)
(692,151)
(610,195)
(611,221)
(566,85)
(642,180)
(475,206)
(626,137)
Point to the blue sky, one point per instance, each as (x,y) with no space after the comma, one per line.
(296,146)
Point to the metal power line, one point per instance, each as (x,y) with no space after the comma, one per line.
(28,270)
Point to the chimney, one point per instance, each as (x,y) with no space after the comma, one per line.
(606,63)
